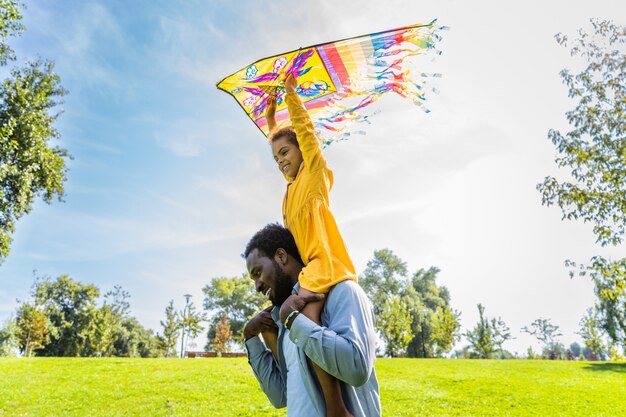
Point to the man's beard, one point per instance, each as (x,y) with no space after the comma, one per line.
(283,287)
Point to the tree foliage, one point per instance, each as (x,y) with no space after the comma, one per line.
(235,297)
(171,327)
(190,321)
(594,152)
(547,334)
(445,332)
(488,336)
(133,340)
(101,332)
(69,305)
(10,25)
(425,298)
(33,328)
(394,324)
(386,280)
(591,333)
(9,342)
(64,319)
(30,166)
(609,278)
(595,149)
(384,276)
(223,335)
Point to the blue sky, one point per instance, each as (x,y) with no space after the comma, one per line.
(170,179)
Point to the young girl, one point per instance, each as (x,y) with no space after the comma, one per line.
(306,214)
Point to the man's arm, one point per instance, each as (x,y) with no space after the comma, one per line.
(267,372)
(346,348)
(265,368)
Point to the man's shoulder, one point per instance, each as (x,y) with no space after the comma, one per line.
(347,285)
(346,290)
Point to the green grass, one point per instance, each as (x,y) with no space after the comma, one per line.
(40,387)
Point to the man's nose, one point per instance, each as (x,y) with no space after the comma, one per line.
(257,285)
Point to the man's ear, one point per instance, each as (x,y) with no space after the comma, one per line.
(281,256)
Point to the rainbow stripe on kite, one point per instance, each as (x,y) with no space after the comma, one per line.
(336,80)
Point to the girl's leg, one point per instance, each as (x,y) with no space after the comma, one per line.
(330,385)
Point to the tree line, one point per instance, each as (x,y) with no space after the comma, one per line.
(414,318)
(63,318)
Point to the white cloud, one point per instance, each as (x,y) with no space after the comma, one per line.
(80,37)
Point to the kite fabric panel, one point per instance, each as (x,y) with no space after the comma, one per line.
(338,80)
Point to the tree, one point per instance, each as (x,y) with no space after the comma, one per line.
(101,332)
(223,335)
(171,327)
(33,328)
(609,278)
(546,333)
(105,326)
(594,151)
(424,297)
(29,166)
(575,349)
(9,342)
(70,307)
(64,320)
(394,324)
(384,276)
(446,330)
(190,323)
(135,341)
(237,297)
(117,299)
(487,337)
(591,333)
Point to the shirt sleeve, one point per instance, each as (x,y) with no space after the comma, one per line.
(267,372)
(305,132)
(346,348)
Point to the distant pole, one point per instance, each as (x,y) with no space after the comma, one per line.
(184,321)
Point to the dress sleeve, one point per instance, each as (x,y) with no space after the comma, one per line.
(305,132)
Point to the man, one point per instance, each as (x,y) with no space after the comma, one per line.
(344,346)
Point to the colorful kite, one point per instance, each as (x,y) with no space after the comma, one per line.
(337,80)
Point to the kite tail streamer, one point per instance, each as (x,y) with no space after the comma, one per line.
(389,65)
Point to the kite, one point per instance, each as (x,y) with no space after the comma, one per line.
(337,80)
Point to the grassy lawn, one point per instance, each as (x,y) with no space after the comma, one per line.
(226,387)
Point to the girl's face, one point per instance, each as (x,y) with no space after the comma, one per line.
(287,155)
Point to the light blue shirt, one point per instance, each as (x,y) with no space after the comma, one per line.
(344,346)
(298,400)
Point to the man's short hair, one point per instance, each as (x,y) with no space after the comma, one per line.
(269,239)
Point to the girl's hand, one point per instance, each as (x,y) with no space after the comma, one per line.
(271,107)
(297,302)
(290,83)
(262,322)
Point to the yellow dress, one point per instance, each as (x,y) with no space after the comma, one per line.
(307,215)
